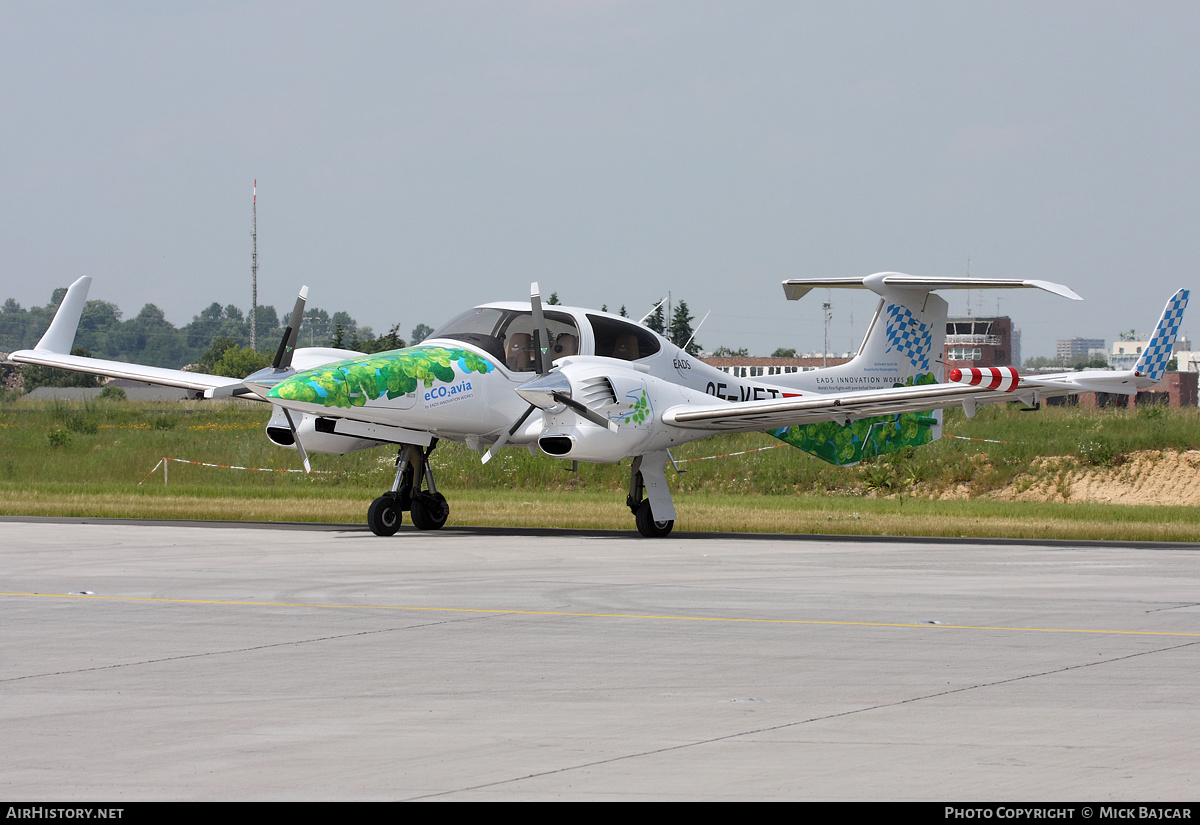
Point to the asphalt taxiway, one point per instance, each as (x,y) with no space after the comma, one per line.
(192,662)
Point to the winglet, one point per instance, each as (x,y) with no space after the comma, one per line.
(1153,362)
(61,334)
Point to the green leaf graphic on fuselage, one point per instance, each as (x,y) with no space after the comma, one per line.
(354,382)
(640,409)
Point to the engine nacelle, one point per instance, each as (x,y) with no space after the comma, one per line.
(584,441)
(626,395)
(315,434)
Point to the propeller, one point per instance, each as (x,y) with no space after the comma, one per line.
(299,447)
(507,434)
(539,330)
(281,368)
(545,390)
(287,346)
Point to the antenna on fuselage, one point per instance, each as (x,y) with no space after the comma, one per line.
(697,329)
(651,312)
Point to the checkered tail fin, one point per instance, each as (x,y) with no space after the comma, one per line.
(904,340)
(903,347)
(1153,362)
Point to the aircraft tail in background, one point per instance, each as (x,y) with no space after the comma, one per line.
(1153,362)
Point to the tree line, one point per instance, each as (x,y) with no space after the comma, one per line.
(217,341)
(216,333)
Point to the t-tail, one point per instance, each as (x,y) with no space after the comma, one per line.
(903,346)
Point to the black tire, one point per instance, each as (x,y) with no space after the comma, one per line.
(650,528)
(429,512)
(383,516)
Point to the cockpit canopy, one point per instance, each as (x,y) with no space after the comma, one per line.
(508,335)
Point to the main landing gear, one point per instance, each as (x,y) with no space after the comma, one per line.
(427,508)
(655,515)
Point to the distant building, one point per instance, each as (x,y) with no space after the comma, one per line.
(749,366)
(1176,389)
(982,342)
(1125,354)
(1189,359)
(1074,350)
(970,342)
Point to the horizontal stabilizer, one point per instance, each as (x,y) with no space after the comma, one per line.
(884,282)
(1120,382)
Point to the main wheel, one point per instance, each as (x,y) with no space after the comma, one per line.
(384,515)
(650,528)
(429,512)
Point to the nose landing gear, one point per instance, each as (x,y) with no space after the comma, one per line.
(427,508)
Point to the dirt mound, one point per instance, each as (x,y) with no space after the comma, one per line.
(1154,477)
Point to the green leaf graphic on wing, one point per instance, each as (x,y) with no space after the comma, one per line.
(851,443)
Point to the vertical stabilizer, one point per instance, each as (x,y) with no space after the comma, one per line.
(1153,362)
(903,345)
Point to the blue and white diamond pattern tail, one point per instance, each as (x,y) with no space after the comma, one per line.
(1153,362)
(905,333)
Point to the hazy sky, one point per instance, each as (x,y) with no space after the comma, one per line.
(415,158)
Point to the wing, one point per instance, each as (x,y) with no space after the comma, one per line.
(210,386)
(53,350)
(845,407)
(976,388)
(750,416)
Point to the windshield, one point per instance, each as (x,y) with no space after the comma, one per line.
(507,335)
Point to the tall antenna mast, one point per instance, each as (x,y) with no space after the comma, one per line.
(968,289)
(254,270)
(828,307)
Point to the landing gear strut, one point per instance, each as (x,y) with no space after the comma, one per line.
(655,516)
(427,508)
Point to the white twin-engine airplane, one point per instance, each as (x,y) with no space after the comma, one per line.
(591,386)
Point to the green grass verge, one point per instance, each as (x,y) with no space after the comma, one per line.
(88,460)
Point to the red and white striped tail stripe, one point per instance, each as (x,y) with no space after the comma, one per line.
(1003,379)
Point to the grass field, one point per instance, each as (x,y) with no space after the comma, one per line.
(88,459)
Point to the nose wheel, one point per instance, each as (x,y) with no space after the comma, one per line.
(427,508)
